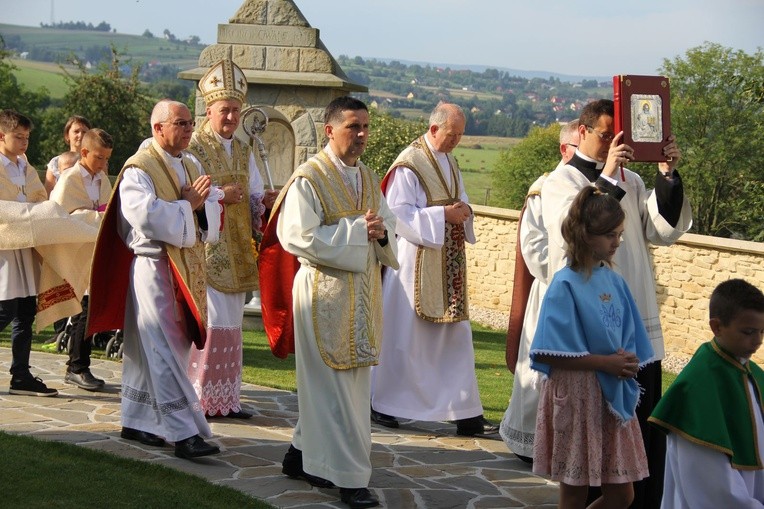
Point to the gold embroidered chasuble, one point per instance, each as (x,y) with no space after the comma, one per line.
(188,263)
(347,306)
(231,264)
(440,278)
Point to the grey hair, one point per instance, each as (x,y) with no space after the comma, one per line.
(443,111)
(161,111)
(568,132)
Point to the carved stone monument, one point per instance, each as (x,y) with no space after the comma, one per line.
(290,75)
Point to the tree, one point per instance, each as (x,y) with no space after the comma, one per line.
(116,104)
(717,114)
(517,168)
(17,97)
(388,137)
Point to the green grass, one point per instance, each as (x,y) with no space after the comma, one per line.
(36,75)
(477,156)
(136,47)
(39,473)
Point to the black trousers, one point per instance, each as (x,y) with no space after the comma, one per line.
(20,313)
(79,346)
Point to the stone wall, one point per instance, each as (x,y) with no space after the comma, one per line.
(686,274)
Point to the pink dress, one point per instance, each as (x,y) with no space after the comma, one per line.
(579,441)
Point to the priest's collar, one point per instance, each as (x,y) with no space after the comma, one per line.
(590,168)
(339,163)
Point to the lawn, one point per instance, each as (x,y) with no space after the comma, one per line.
(36,75)
(477,156)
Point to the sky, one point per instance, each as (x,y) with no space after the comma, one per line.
(595,38)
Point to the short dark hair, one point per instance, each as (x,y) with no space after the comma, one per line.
(594,110)
(333,112)
(98,137)
(11,119)
(733,296)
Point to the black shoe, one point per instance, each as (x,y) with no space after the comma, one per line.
(143,437)
(524,459)
(291,466)
(241,414)
(194,447)
(28,385)
(358,498)
(475,426)
(84,380)
(385,420)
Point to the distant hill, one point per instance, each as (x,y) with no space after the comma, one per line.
(158,49)
(498,101)
(55,45)
(513,72)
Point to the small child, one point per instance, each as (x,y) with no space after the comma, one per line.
(84,190)
(67,159)
(75,128)
(712,412)
(589,345)
(19,271)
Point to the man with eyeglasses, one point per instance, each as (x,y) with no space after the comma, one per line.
(659,217)
(531,278)
(148,279)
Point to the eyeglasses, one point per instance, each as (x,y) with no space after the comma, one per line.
(572,145)
(182,123)
(606,137)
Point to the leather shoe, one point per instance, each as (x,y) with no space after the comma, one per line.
(194,447)
(385,420)
(143,437)
(358,498)
(84,380)
(475,426)
(241,414)
(291,466)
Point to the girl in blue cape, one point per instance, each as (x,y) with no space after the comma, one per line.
(589,345)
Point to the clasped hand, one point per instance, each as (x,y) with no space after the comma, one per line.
(196,193)
(233,193)
(622,364)
(457,213)
(375,226)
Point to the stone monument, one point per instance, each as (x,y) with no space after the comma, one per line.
(290,75)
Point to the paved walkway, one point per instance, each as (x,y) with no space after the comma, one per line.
(420,465)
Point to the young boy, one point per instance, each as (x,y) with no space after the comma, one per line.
(713,410)
(83,190)
(19,272)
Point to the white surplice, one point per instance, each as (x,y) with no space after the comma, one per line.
(157,396)
(334,428)
(426,370)
(699,477)
(518,425)
(643,225)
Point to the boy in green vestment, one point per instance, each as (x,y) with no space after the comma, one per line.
(712,412)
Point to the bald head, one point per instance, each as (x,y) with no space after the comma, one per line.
(447,123)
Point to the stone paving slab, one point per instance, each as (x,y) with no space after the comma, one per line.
(420,465)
